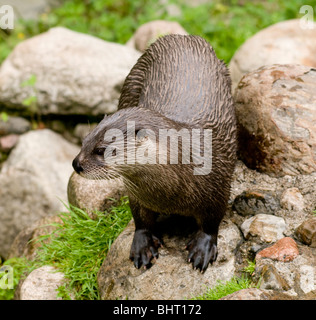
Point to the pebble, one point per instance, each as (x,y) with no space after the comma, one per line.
(306,232)
(266,227)
(7,143)
(292,199)
(284,250)
(254,202)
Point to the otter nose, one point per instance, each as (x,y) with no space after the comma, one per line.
(76,165)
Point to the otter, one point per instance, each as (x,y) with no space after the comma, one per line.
(177,85)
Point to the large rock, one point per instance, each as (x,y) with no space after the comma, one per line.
(147,33)
(285,42)
(75,73)
(276,112)
(171,276)
(33,182)
(91,195)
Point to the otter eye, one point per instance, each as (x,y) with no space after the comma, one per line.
(99,151)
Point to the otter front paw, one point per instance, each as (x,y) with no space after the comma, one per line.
(144,248)
(202,250)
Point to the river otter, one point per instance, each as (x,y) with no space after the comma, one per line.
(177,84)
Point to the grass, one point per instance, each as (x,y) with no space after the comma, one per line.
(224,288)
(77,247)
(225,24)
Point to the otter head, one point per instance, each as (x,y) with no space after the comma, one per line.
(119,143)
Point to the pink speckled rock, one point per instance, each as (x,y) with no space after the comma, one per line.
(283,250)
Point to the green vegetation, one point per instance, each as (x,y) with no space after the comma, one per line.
(225,24)
(77,247)
(223,289)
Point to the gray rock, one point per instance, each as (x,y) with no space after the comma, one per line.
(170,277)
(275,108)
(14,125)
(147,33)
(42,284)
(75,73)
(266,228)
(254,202)
(93,195)
(284,42)
(33,182)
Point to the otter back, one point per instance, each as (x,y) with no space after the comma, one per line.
(181,78)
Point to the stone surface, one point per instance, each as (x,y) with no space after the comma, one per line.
(147,33)
(75,73)
(33,182)
(25,244)
(29,9)
(306,232)
(284,42)
(248,294)
(14,125)
(254,202)
(292,199)
(284,250)
(295,278)
(8,142)
(170,277)
(266,228)
(275,108)
(94,194)
(42,284)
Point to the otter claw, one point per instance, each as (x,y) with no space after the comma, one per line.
(202,251)
(144,249)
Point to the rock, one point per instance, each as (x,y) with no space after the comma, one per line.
(306,232)
(14,125)
(266,227)
(254,202)
(93,195)
(295,278)
(147,33)
(276,112)
(31,9)
(74,73)
(81,130)
(248,294)
(25,244)
(284,250)
(292,199)
(284,43)
(8,142)
(33,182)
(42,284)
(170,277)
